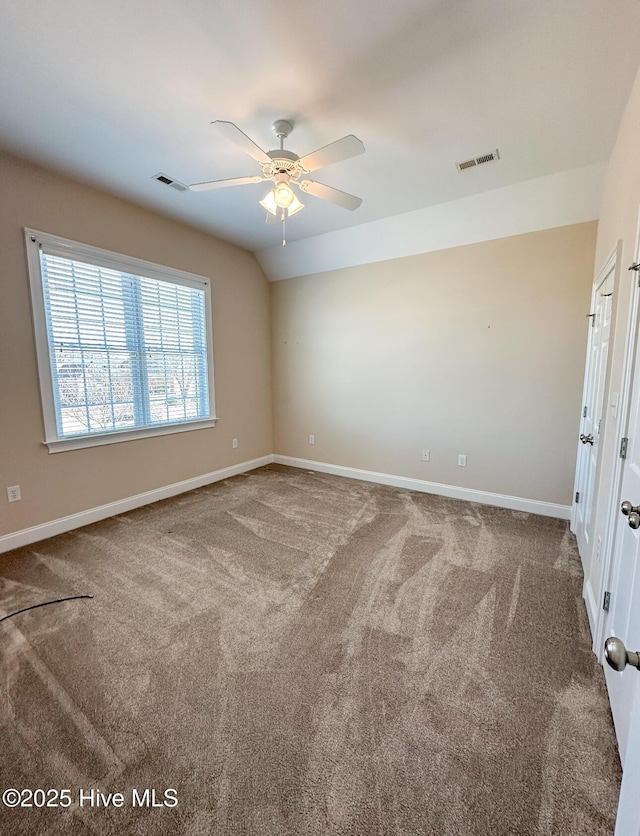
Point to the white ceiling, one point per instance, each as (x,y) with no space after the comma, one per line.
(113,93)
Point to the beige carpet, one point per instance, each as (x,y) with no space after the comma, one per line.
(296,653)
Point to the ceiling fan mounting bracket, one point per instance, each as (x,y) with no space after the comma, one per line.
(282,128)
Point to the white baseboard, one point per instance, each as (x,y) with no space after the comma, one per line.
(49,529)
(514,503)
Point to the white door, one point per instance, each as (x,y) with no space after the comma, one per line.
(593,396)
(623,618)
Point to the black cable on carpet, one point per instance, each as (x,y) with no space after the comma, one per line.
(44,604)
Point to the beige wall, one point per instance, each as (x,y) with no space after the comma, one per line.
(619,219)
(55,485)
(476,350)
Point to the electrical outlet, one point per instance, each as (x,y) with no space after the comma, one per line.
(312,439)
(426,455)
(13,493)
(234,443)
(462,460)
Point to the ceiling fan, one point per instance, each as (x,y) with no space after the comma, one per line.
(284,169)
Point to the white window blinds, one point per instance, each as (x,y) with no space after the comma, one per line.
(125,351)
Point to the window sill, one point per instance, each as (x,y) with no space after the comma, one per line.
(80,442)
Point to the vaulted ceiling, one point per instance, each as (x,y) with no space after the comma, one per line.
(113,93)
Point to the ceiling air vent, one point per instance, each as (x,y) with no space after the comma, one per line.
(169,181)
(475,161)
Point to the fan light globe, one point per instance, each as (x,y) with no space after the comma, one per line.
(283,195)
(294,206)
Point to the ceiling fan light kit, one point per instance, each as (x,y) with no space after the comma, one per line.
(278,199)
(285,169)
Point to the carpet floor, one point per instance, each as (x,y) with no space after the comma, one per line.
(295,653)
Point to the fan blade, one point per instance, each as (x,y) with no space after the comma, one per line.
(222,184)
(344,199)
(341,149)
(234,134)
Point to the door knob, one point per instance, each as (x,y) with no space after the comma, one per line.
(634,520)
(631,511)
(586,439)
(618,656)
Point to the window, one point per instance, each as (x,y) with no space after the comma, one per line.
(124,346)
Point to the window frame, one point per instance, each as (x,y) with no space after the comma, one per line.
(114,261)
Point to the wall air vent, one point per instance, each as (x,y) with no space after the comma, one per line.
(169,181)
(475,161)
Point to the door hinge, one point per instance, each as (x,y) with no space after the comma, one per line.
(592,317)
(624,443)
(577,499)
(584,412)
(606,601)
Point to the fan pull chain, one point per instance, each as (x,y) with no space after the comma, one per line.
(284,215)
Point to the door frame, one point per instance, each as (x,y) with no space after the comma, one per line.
(591,596)
(607,568)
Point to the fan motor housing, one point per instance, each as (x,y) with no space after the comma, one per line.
(282,162)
